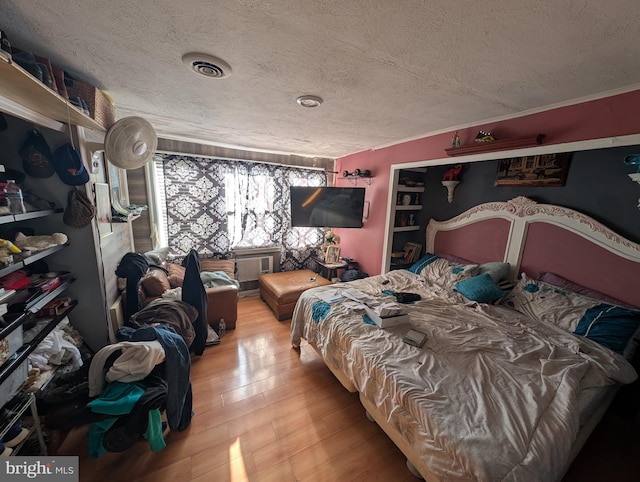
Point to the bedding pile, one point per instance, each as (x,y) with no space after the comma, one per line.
(492,395)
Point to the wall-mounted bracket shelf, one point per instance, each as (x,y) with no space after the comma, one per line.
(354,180)
(498,145)
(358,174)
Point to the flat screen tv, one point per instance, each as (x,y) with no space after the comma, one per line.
(327,207)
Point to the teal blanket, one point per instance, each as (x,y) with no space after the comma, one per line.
(211,279)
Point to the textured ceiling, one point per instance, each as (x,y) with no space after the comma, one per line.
(387,70)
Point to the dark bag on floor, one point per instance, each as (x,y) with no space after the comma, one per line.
(353,274)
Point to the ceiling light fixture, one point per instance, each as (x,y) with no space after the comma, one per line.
(206,65)
(309,100)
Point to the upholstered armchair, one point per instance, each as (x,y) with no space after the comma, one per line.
(222,301)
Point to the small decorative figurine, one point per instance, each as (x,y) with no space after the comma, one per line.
(633,160)
(484,137)
(455,140)
(453,173)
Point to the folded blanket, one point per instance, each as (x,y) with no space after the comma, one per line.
(211,279)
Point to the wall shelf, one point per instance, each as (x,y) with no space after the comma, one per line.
(25,90)
(403,188)
(400,229)
(30,259)
(410,207)
(12,218)
(498,145)
(354,179)
(10,365)
(14,319)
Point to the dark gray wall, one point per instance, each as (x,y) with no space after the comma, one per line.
(598,185)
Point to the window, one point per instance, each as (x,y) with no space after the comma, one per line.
(216,205)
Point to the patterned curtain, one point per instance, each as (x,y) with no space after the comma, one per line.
(215,205)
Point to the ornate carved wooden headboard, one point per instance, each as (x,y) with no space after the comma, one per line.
(536,238)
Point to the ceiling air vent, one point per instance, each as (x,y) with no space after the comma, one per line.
(207,65)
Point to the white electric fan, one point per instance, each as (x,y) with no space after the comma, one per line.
(130,142)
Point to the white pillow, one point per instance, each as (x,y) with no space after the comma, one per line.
(158,256)
(446,274)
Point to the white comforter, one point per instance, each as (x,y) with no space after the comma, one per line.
(492,395)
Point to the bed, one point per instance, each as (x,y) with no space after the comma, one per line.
(502,389)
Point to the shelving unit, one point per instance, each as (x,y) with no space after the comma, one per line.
(28,103)
(399,188)
(29,402)
(22,307)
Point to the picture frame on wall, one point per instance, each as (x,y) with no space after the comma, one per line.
(103,209)
(543,170)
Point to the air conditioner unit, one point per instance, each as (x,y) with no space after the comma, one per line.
(250,269)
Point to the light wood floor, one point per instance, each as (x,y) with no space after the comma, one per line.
(265,412)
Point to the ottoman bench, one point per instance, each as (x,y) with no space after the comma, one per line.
(281,290)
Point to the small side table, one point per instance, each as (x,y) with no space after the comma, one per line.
(330,269)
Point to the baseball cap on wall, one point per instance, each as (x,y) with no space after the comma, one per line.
(36,156)
(69,166)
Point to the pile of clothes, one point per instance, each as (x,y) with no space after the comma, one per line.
(127,385)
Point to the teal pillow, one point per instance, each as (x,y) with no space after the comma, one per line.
(611,326)
(480,288)
(419,265)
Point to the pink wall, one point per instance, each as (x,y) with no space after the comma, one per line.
(612,116)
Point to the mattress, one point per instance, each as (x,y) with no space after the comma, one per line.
(492,395)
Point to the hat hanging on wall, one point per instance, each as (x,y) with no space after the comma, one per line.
(36,156)
(68,164)
(130,142)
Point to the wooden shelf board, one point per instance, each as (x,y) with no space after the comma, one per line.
(400,229)
(410,207)
(403,188)
(21,87)
(499,145)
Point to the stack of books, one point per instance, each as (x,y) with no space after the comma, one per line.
(412,252)
(388,314)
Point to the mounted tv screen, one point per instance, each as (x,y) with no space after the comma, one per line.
(327,207)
